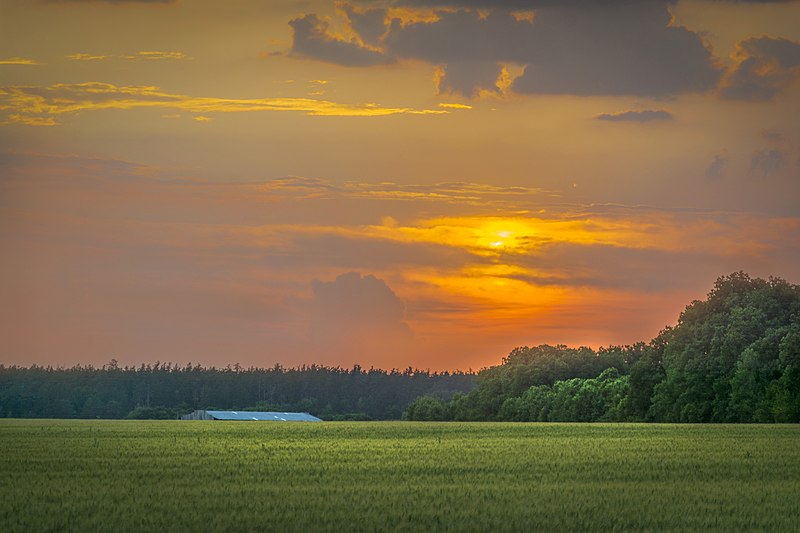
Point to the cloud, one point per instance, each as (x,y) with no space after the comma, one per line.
(29,120)
(714,170)
(86,57)
(312,40)
(578,48)
(621,49)
(768,162)
(117,1)
(369,24)
(469,77)
(508,5)
(765,66)
(43,104)
(157,55)
(636,116)
(326,207)
(357,315)
(356,301)
(533,4)
(760,1)
(151,55)
(18,61)
(464,193)
(468,49)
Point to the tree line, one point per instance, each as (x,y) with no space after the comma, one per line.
(167,390)
(734,357)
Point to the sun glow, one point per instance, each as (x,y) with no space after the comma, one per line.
(503,235)
(490,236)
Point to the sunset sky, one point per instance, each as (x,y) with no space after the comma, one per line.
(425,183)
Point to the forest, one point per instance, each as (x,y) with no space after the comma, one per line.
(733,357)
(164,391)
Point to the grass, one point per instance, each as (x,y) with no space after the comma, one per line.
(58,475)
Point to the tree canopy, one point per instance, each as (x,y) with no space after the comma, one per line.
(734,357)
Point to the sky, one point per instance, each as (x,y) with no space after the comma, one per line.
(393,183)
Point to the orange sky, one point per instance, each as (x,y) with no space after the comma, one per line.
(424,183)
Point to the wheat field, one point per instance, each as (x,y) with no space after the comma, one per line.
(60,475)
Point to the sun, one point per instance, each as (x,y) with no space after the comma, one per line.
(496,235)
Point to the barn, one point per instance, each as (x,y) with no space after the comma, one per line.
(250,415)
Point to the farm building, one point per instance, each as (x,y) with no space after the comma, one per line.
(250,415)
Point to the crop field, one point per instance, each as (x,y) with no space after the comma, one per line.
(60,475)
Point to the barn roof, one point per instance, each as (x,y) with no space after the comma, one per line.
(263,415)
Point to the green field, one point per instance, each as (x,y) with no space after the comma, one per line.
(381,476)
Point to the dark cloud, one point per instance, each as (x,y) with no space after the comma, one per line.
(536,4)
(636,116)
(507,4)
(468,77)
(580,48)
(500,4)
(765,67)
(369,24)
(714,170)
(768,162)
(312,40)
(467,46)
(463,36)
(617,49)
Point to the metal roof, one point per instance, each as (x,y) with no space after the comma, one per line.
(261,415)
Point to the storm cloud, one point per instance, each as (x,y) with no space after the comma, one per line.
(576,48)
(765,67)
(312,40)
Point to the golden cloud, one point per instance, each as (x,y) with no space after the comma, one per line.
(29,121)
(145,55)
(156,55)
(406,16)
(19,61)
(463,193)
(455,106)
(86,57)
(527,16)
(33,105)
